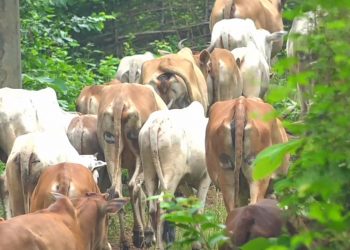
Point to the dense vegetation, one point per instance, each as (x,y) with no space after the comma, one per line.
(58,51)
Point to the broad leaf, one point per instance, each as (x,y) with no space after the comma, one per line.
(271,158)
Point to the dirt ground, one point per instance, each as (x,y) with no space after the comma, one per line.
(214,203)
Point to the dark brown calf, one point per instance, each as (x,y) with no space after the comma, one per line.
(263,219)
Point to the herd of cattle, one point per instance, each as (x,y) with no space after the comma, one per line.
(180,121)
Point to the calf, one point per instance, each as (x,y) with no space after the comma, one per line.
(263,219)
(237,131)
(63,225)
(266,14)
(129,69)
(173,152)
(69,179)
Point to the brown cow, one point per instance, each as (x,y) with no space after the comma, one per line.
(82,134)
(224,79)
(177,79)
(89,98)
(62,225)
(263,219)
(265,13)
(69,179)
(123,110)
(237,131)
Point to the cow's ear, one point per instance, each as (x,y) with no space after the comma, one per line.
(238,62)
(276,36)
(115,205)
(57,196)
(204,56)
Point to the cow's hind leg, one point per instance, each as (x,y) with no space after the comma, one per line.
(136,179)
(258,190)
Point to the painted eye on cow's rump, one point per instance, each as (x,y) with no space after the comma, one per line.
(109,137)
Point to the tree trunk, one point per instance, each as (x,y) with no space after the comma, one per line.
(10,54)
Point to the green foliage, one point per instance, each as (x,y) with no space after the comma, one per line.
(52,57)
(317,186)
(272,157)
(186,213)
(2,167)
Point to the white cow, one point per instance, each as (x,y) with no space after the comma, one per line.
(24,111)
(31,153)
(172,152)
(297,46)
(129,69)
(255,71)
(236,32)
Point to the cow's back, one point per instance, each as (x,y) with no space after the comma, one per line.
(69,179)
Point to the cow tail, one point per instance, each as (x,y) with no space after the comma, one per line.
(153,137)
(215,68)
(237,134)
(132,72)
(178,71)
(120,105)
(226,12)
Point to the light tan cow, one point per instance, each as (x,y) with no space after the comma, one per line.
(71,225)
(89,98)
(123,109)
(237,131)
(173,153)
(177,79)
(70,179)
(129,68)
(224,79)
(266,14)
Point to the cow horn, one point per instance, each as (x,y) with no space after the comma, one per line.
(170,103)
(211,47)
(180,45)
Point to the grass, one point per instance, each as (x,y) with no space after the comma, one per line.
(214,205)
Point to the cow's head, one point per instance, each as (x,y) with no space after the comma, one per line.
(92,211)
(263,41)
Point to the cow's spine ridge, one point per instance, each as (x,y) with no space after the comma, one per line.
(239,120)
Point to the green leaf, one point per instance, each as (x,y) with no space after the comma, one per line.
(257,244)
(268,160)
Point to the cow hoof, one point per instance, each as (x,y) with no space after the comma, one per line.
(137,238)
(125,246)
(196,246)
(149,238)
(169,232)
